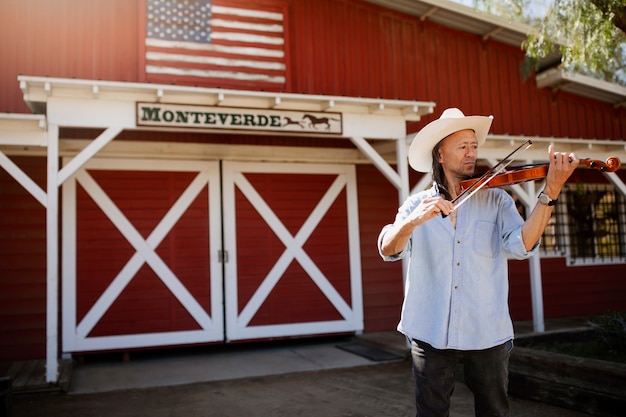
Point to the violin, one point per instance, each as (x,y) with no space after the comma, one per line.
(535,172)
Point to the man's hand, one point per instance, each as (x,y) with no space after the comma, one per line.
(396,238)
(428,209)
(560,169)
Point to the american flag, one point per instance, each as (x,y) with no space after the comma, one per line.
(209,40)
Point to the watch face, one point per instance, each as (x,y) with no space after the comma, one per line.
(544,199)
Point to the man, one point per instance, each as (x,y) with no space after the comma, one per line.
(455,308)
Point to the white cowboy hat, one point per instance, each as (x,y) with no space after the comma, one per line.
(451,120)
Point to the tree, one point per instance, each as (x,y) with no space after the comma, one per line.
(586,33)
(589,35)
(614,10)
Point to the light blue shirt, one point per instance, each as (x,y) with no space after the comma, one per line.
(456,289)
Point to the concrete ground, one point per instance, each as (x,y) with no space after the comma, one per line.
(295,378)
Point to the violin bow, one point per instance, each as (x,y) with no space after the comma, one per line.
(489,175)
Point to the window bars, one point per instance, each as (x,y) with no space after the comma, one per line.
(588,226)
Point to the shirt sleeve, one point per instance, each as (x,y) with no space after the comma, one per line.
(512,228)
(403,212)
(396,256)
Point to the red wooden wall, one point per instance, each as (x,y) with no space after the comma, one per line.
(335,47)
(22,265)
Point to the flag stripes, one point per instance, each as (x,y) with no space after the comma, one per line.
(194,38)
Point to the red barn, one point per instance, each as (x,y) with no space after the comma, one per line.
(188,172)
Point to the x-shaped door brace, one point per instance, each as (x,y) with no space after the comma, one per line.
(293,248)
(145,252)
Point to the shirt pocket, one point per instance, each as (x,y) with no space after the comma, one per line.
(485,239)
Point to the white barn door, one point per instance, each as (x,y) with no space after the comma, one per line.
(140,263)
(291,237)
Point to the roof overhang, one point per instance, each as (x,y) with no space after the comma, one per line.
(460,17)
(38,90)
(582,85)
(23,129)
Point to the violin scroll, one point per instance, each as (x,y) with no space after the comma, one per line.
(612,164)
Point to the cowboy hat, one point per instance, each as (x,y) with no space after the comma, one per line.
(451,120)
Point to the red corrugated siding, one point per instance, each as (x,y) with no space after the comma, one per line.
(520,301)
(581,290)
(22,265)
(92,39)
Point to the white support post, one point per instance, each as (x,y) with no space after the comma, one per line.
(403,191)
(52,256)
(617,182)
(536,286)
(536,292)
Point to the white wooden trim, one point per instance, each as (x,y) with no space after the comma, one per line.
(23,129)
(81,159)
(297,329)
(378,161)
(143,340)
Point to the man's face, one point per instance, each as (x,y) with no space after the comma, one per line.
(458,153)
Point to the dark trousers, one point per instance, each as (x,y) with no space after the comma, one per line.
(486,374)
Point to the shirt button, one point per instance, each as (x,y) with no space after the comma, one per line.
(456,287)
(458,264)
(458,241)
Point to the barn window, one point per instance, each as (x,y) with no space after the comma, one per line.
(588,225)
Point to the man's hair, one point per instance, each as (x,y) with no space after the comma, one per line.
(439,177)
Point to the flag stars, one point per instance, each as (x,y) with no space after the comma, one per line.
(178,20)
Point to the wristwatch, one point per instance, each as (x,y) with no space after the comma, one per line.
(546,200)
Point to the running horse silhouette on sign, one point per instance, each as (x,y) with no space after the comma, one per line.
(290,121)
(314,121)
